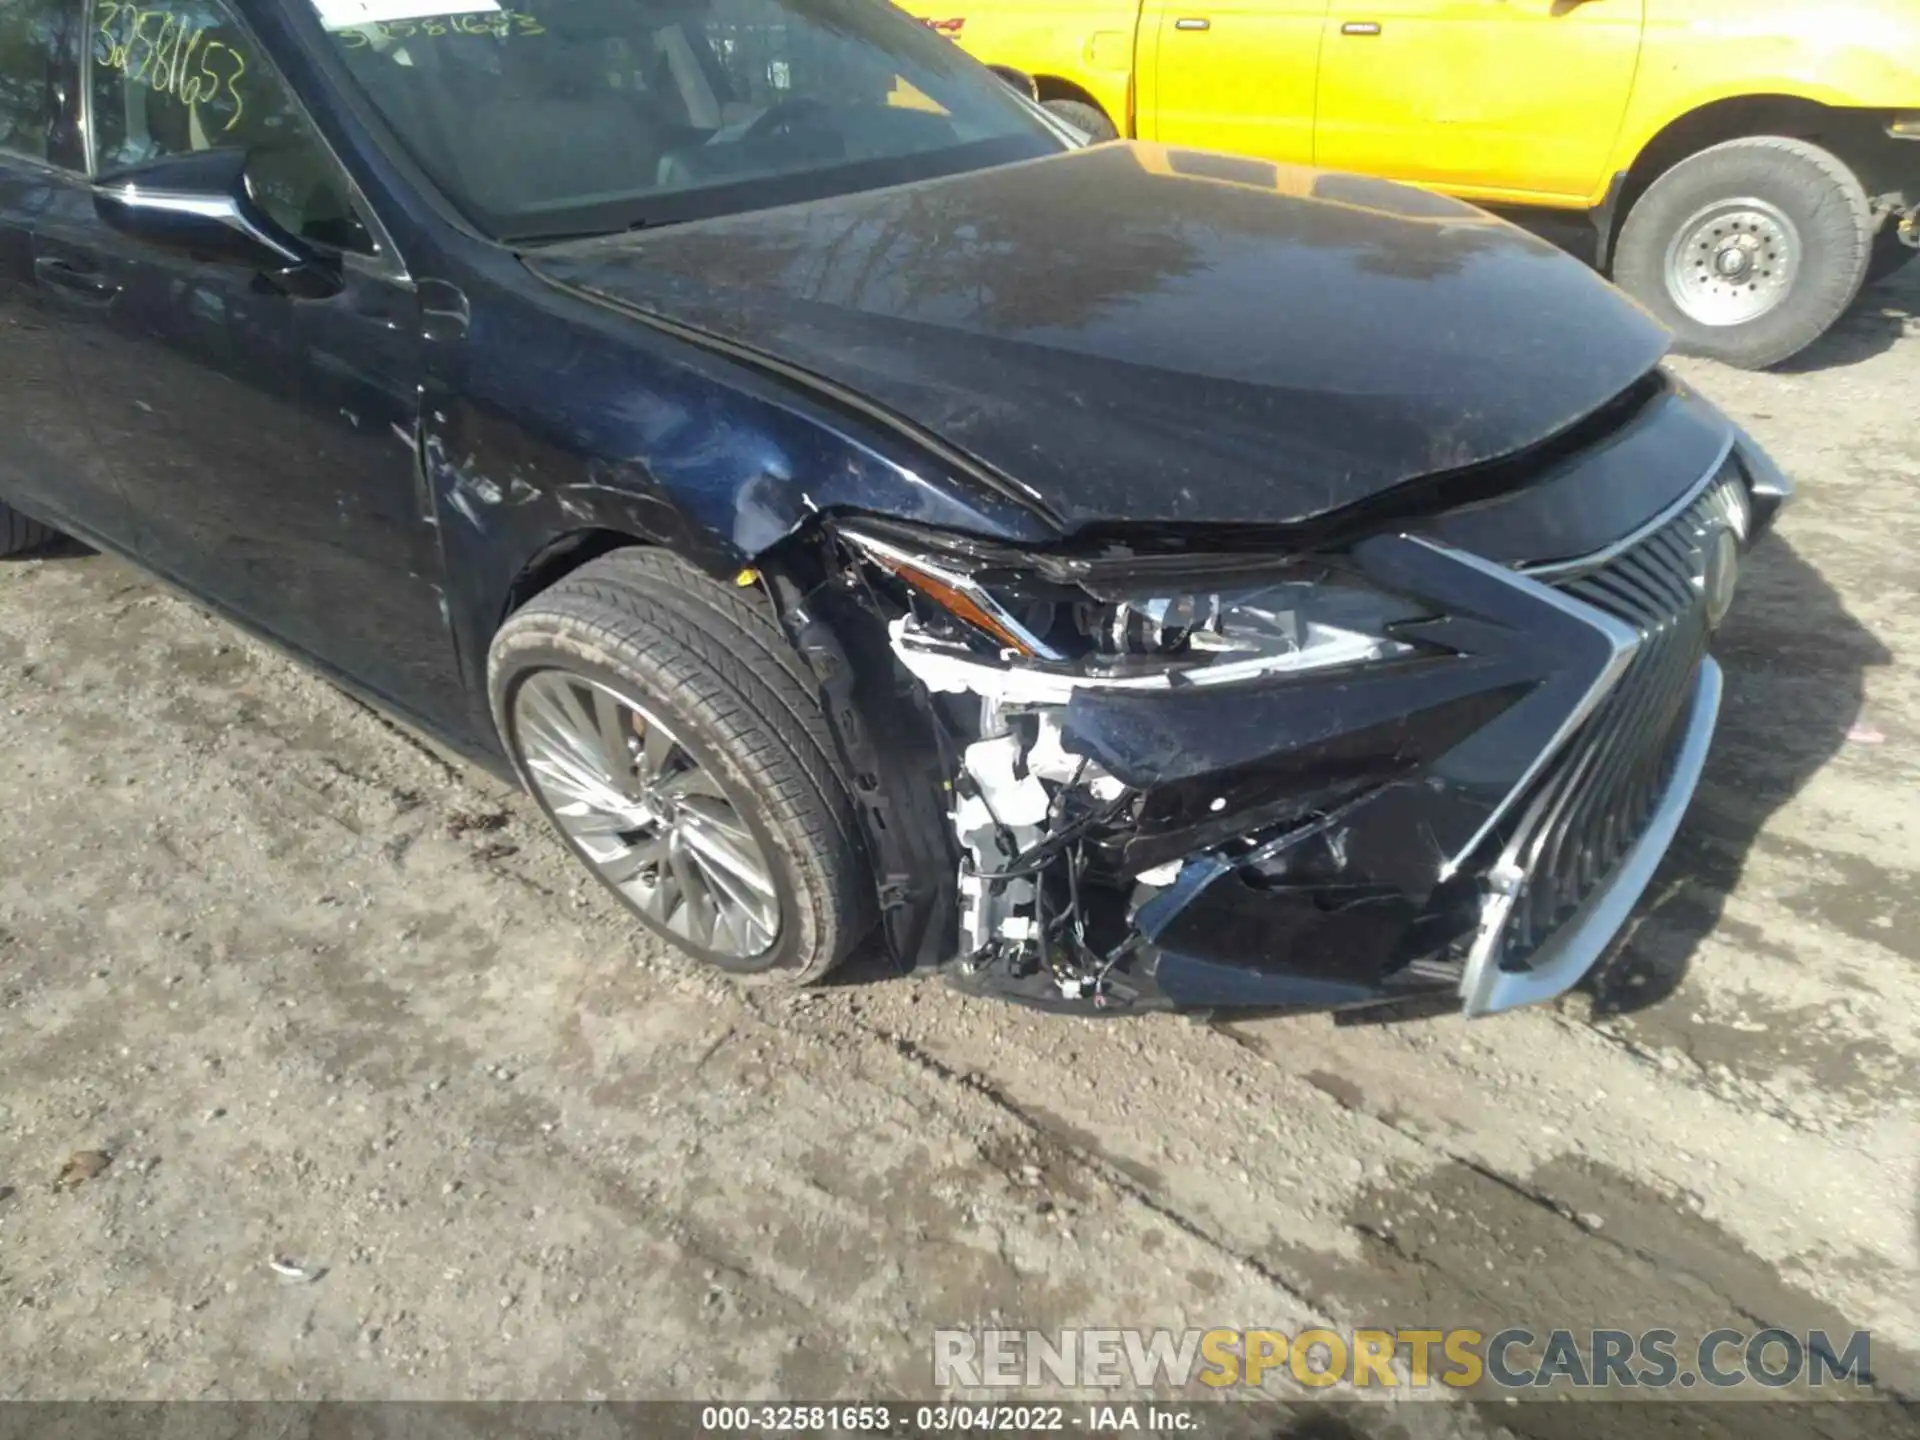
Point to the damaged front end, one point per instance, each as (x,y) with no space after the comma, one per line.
(1077,825)
(1392,774)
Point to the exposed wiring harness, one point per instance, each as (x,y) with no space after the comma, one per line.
(1068,841)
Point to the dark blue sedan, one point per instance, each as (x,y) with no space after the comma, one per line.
(861,513)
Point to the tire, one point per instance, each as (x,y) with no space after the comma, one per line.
(18,534)
(1778,199)
(715,673)
(1089,119)
(1891,254)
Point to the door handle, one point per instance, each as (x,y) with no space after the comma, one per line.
(79,281)
(1360,27)
(1193,22)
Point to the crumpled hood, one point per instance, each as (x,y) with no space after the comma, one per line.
(1137,334)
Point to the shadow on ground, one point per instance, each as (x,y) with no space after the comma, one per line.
(1796,664)
(1884,314)
(1579,1245)
(60,547)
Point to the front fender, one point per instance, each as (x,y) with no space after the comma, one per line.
(607,429)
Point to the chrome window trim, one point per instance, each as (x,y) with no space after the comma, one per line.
(83,111)
(1566,957)
(1584,564)
(1623,639)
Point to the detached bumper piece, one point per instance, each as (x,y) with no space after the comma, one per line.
(1468,822)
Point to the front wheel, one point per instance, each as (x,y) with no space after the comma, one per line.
(18,534)
(1748,251)
(666,729)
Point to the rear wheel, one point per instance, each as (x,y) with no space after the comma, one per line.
(1090,119)
(18,534)
(669,733)
(1748,251)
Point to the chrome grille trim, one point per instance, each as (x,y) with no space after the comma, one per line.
(1572,950)
(1541,580)
(1618,786)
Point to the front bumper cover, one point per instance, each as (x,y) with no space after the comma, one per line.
(1470,824)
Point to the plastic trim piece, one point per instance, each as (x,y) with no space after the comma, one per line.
(1585,564)
(1624,642)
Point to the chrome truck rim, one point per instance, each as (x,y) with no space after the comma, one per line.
(1733,262)
(647,815)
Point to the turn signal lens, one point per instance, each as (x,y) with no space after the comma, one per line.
(955,601)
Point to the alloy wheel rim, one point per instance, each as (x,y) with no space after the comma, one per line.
(1733,262)
(649,817)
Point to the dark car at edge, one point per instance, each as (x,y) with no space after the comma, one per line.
(1121,577)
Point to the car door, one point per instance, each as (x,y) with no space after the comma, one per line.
(1234,75)
(48,462)
(265,440)
(1516,99)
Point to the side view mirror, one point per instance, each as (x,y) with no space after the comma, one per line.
(1019,80)
(201,204)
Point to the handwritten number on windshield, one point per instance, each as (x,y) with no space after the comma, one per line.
(157,49)
(498,23)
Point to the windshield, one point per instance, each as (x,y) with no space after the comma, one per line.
(556,118)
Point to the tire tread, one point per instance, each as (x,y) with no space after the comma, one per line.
(18,534)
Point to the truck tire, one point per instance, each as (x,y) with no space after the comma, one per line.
(1748,251)
(1089,119)
(674,740)
(1891,254)
(18,534)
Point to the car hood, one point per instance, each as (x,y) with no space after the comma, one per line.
(1137,334)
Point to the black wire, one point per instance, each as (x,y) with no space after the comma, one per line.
(1053,805)
(1037,857)
(1074,862)
(1040,924)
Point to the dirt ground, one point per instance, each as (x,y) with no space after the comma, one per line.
(327,999)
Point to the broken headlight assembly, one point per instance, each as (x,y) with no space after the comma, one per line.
(1003,638)
(1130,620)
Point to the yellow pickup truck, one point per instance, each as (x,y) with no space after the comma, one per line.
(1747,165)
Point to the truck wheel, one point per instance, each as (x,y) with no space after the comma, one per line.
(667,730)
(1084,117)
(18,534)
(1891,254)
(1749,251)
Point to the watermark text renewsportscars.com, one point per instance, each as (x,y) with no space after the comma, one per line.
(1515,1359)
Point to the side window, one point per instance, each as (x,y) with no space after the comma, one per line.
(33,35)
(175,76)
